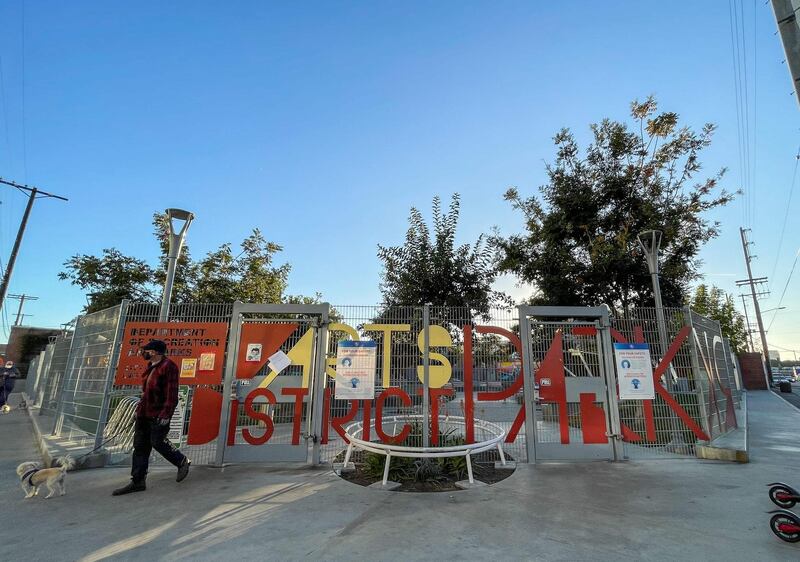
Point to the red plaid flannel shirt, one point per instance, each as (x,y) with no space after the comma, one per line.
(159,390)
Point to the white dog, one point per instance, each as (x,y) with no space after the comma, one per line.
(32,476)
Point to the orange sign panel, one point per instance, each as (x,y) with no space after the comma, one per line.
(197,348)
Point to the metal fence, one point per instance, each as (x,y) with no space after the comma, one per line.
(657,429)
(178,312)
(85,395)
(56,366)
(716,375)
(33,376)
(699,367)
(44,374)
(74,376)
(401,363)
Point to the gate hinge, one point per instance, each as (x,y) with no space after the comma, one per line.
(312,437)
(614,435)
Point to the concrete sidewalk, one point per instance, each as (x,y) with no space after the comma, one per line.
(658,510)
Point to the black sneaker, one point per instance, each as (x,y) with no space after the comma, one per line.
(183,470)
(130,488)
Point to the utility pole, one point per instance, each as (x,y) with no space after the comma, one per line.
(21,298)
(747,323)
(33,193)
(22,319)
(752,282)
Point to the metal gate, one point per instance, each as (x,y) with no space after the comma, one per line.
(272,412)
(573,413)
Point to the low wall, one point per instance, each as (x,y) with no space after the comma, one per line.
(753,375)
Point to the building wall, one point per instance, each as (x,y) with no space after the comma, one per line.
(16,348)
(753,375)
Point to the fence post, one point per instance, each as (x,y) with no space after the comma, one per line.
(426,378)
(234,333)
(48,363)
(698,388)
(606,349)
(528,377)
(318,384)
(113,358)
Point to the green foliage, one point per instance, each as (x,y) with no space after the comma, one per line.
(429,268)
(718,305)
(110,278)
(579,246)
(250,275)
(430,470)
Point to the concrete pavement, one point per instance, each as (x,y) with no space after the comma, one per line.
(656,510)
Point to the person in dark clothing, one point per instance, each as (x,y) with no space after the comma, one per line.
(153,415)
(8,376)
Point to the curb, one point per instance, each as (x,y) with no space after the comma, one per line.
(713,452)
(47,458)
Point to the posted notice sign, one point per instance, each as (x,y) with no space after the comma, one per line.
(197,348)
(176,423)
(635,371)
(355,370)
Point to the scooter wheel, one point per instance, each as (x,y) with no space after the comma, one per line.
(785,504)
(783,519)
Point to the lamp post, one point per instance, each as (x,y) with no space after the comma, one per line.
(176,241)
(650,243)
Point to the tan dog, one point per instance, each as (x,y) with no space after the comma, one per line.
(32,476)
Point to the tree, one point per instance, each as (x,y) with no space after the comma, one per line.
(221,276)
(579,245)
(109,278)
(248,277)
(434,270)
(718,305)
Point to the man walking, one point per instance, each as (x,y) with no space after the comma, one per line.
(153,415)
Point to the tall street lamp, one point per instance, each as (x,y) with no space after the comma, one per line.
(650,243)
(176,240)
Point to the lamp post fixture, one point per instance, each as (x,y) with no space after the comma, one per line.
(176,240)
(650,243)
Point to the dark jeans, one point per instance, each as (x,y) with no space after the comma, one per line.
(5,391)
(148,435)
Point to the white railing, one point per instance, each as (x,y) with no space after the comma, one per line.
(493,439)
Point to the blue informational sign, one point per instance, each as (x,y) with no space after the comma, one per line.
(634,371)
(355,370)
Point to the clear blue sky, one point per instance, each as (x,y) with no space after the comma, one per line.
(322,123)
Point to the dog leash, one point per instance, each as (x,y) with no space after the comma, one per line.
(98,447)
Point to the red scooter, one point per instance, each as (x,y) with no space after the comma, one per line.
(784,523)
(783,495)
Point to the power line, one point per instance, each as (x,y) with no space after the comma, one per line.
(746,108)
(786,215)
(784,289)
(755,93)
(737,88)
(24,128)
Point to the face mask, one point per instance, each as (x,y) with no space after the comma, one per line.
(147,355)
(9,365)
